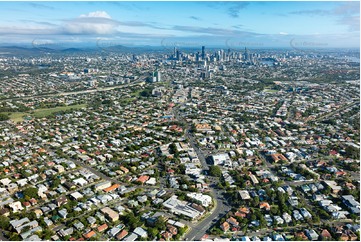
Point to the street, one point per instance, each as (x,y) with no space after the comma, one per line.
(221,208)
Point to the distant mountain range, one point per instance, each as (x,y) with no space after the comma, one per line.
(26,51)
(36,51)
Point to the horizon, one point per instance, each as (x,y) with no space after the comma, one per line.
(89,46)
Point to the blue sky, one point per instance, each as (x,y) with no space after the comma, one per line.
(184,24)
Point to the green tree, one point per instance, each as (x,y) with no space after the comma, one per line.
(4,222)
(31,192)
(4,117)
(47,233)
(14,237)
(352,152)
(132,220)
(215,171)
(160,223)
(153,232)
(274,210)
(55,183)
(255,201)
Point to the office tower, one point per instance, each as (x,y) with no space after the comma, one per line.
(177,55)
(154,77)
(174,51)
(158,76)
(197,56)
(203,53)
(246,54)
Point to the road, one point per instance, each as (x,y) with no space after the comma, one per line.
(336,111)
(197,231)
(95,171)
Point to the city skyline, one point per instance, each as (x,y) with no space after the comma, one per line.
(183,24)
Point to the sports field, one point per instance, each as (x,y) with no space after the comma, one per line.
(41,113)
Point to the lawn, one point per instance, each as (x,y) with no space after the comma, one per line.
(136,93)
(270,90)
(43,112)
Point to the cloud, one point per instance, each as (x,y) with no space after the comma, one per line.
(238,26)
(283,33)
(214,31)
(235,8)
(140,24)
(93,23)
(347,13)
(33,30)
(98,22)
(40,6)
(38,22)
(347,8)
(316,12)
(96,14)
(195,18)
(353,22)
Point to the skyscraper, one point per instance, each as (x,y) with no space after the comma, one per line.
(246,54)
(197,56)
(154,77)
(203,53)
(158,76)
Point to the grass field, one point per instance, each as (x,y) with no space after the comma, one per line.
(270,90)
(136,93)
(43,112)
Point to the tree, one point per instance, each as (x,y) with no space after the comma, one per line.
(160,223)
(4,222)
(4,117)
(132,220)
(172,148)
(215,171)
(47,233)
(352,152)
(262,221)
(182,168)
(31,192)
(153,232)
(274,210)
(55,183)
(14,237)
(181,231)
(255,201)
(146,93)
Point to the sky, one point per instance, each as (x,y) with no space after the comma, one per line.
(182,24)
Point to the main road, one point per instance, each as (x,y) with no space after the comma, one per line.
(323,117)
(221,208)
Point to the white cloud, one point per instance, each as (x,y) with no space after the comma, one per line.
(283,33)
(96,14)
(99,22)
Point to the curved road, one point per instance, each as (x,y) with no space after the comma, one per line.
(197,231)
